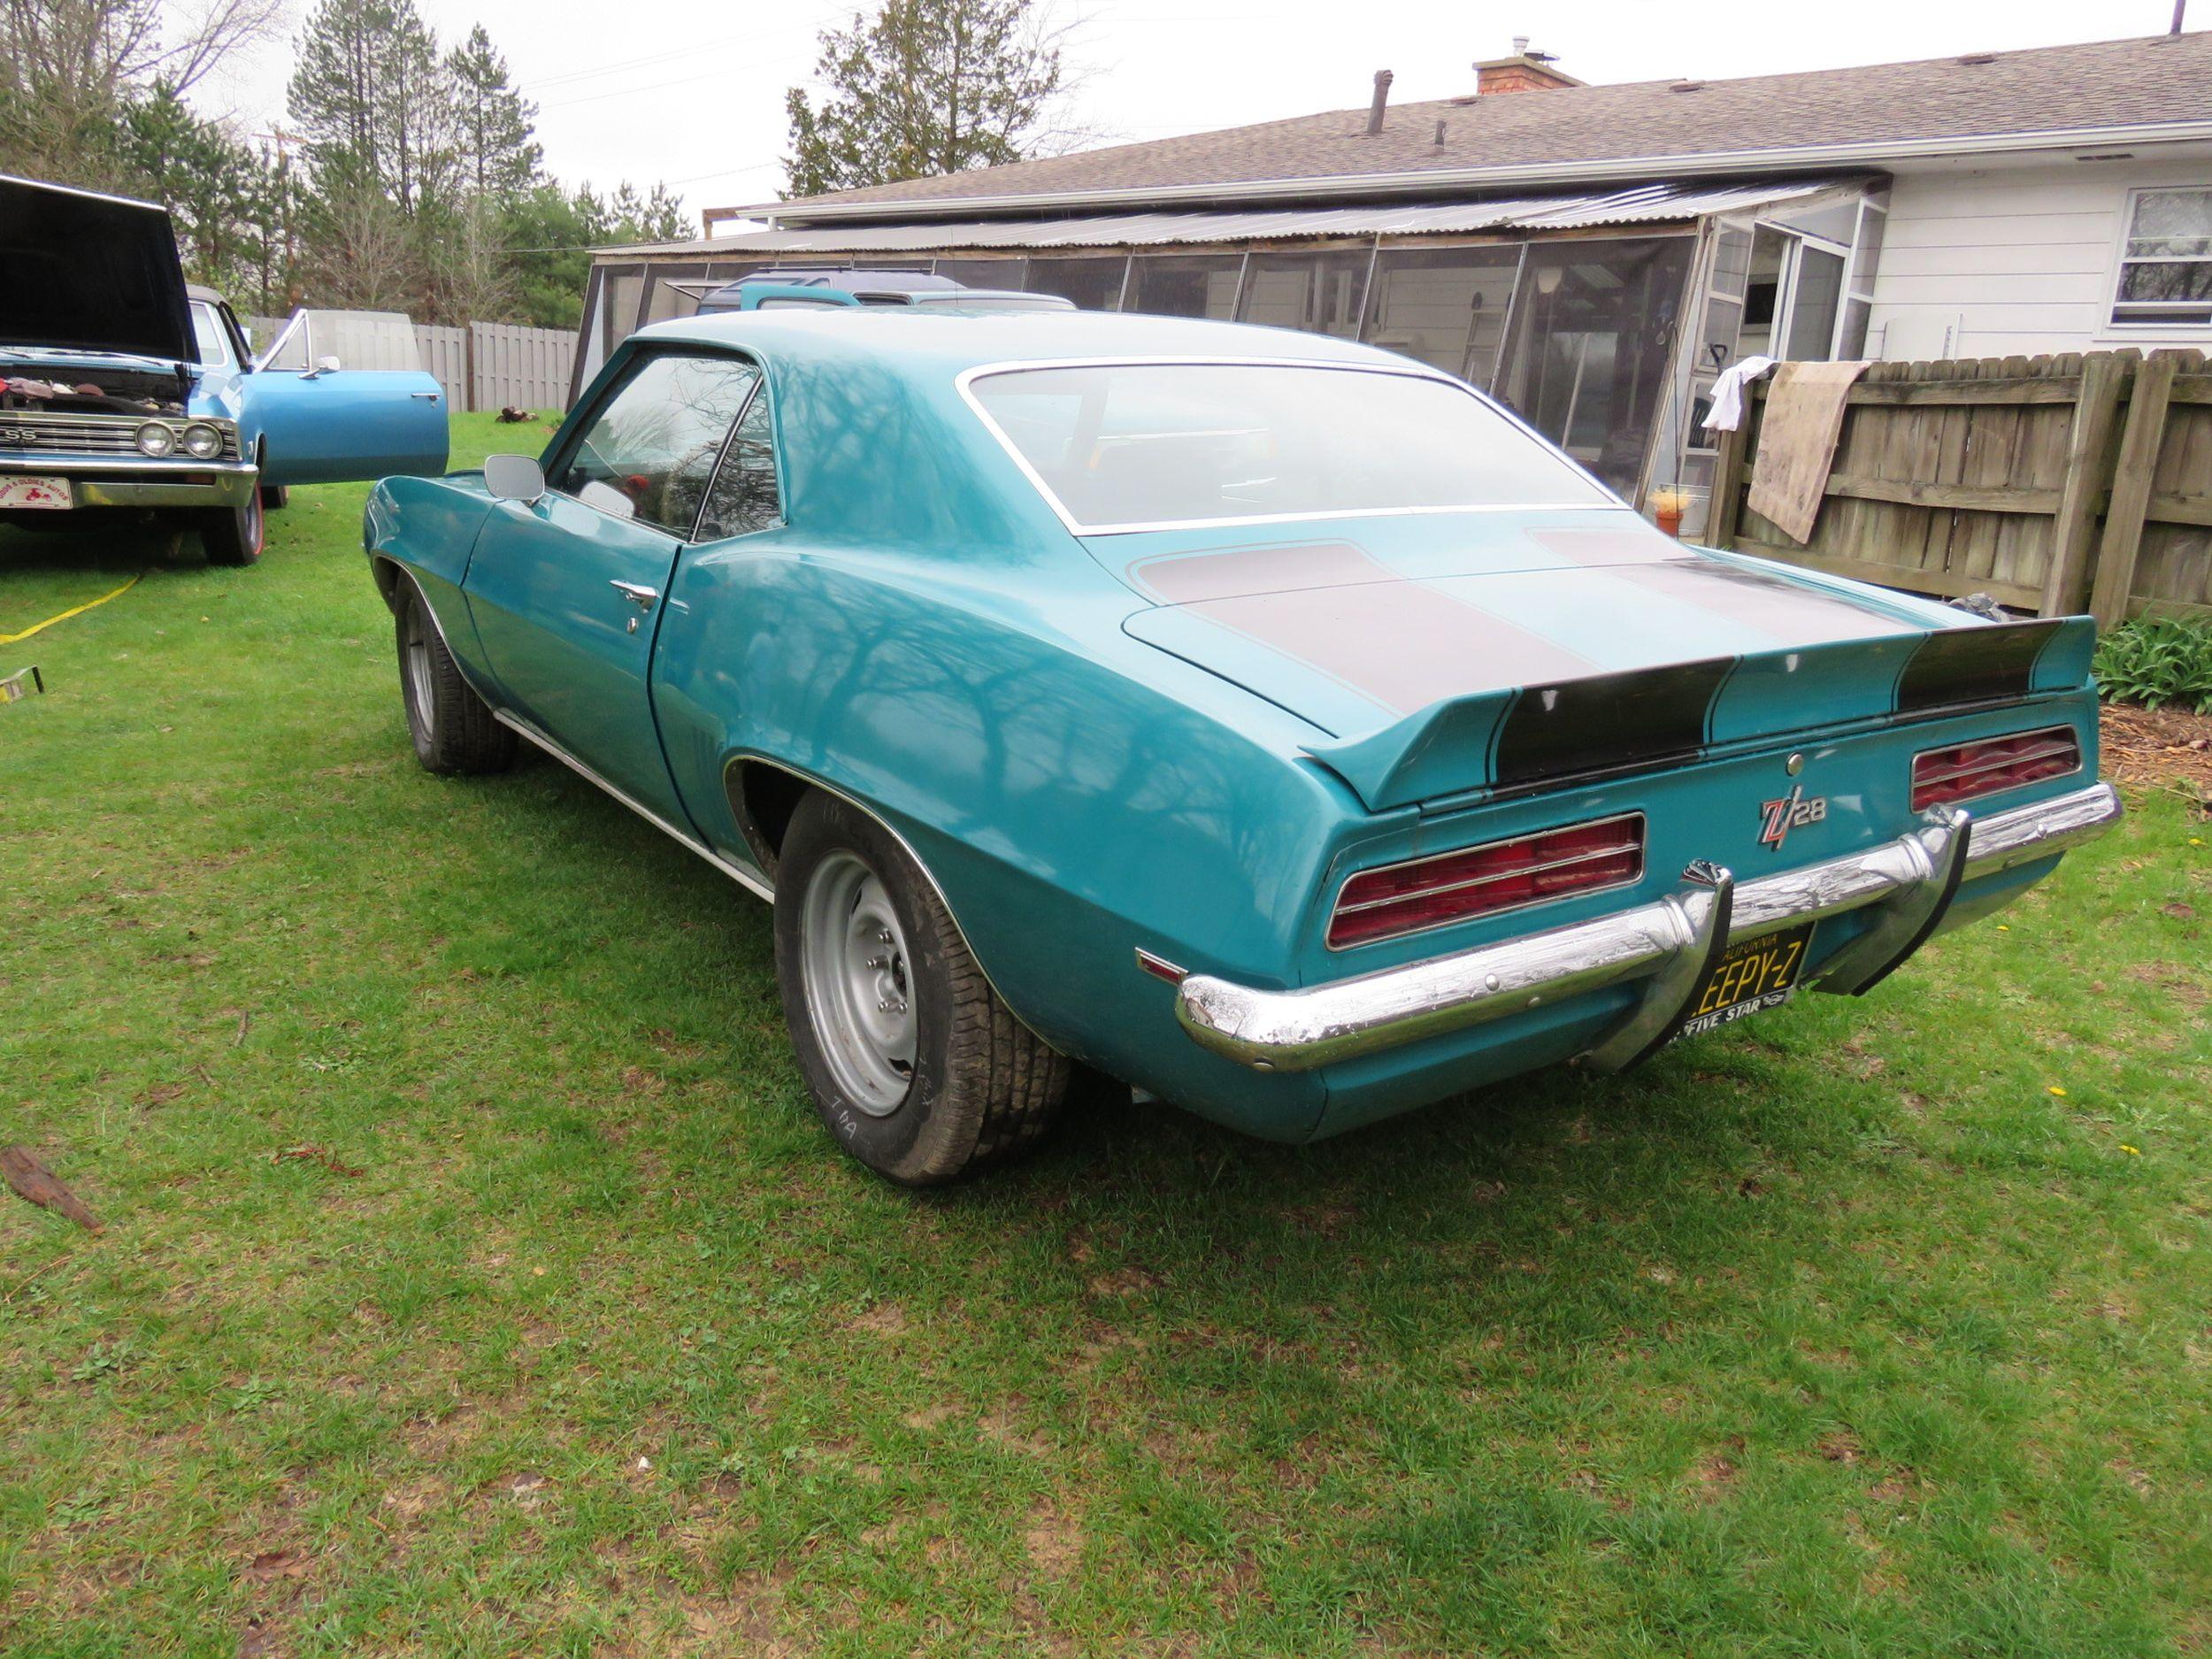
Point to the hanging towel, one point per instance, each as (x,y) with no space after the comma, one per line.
(1726,414)
(1797,442)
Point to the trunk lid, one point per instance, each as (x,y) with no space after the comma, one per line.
(1448,653)
(87,272)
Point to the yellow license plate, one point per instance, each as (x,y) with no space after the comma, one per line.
(1753,974)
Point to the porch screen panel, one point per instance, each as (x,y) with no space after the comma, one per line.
(1587,362)
(1445,306)
(666,302)
(980,274)
(1320,293)
(625,289)
(1094,284)
(1185,285)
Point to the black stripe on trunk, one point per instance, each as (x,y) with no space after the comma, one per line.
(1969,665)
(1644,717)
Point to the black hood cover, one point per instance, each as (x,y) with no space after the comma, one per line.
(89,273)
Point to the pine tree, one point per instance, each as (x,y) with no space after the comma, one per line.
(500,157)
(929,87)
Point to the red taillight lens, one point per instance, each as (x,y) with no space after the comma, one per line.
(1966,770)
(1497,876)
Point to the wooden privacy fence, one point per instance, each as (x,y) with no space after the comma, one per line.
(2055,484)
(480,365)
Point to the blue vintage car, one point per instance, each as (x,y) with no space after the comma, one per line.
(123,391)
(1264,720)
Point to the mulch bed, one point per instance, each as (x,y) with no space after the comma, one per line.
(2159,747)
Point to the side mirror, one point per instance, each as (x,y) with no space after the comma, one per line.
(323,365)
(513,477)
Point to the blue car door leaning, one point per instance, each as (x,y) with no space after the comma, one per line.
(566,591)
(341,395)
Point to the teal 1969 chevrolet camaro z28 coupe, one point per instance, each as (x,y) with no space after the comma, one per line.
(1264,720)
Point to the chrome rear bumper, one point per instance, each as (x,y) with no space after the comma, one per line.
(1668,943)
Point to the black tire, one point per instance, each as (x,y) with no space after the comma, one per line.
(452,727)
(982,1088)
(235,535)
(275,497)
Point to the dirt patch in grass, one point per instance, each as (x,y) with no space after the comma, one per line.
(2158,746)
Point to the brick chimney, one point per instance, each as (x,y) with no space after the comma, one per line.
(1521,71)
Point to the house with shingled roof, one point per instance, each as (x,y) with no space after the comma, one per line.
(1592,255)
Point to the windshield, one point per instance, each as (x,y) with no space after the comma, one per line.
(1139,445)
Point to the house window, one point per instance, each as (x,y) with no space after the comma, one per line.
(2166,265)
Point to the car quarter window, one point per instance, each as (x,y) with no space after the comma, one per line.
(745,496)
(210,339)
(649,450)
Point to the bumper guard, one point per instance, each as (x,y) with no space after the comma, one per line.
(1669,944)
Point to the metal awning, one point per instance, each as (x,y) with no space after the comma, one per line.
(1651,204)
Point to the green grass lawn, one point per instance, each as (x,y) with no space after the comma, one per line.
(477,1279)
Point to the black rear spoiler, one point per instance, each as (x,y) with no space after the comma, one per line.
(1603,723)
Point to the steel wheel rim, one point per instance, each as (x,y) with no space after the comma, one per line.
(417,666)
(860,989)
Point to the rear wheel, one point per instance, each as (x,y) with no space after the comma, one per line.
(452,727)
(915,1064)
(275,497)
(234,535)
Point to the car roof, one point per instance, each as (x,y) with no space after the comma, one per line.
(938,339)
(194,291)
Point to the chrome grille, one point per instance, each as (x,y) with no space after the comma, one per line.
(99,435)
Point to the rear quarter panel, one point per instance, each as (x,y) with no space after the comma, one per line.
(1069,810)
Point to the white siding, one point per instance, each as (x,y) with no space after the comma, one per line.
(2014,260)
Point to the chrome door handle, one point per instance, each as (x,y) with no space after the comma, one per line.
(427,397)
(643,598)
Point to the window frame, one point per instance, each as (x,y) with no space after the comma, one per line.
(580,421)
(964,382)
(2122,260)
(223,329)
(722,459)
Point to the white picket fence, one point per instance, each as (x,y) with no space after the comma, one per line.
(481,365)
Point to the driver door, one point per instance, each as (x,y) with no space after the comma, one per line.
(375,414)
(566,591)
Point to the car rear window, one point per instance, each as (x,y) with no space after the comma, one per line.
(1133,446)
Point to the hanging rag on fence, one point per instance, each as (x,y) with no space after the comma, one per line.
(1726,414)
(1797,442)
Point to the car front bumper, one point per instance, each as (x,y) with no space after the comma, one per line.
(1669,945)
(125,483)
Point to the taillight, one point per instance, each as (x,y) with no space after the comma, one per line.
(1497,876)
(1966,769)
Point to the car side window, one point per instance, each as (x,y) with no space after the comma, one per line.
(649,449)
(745,496)
(209,338)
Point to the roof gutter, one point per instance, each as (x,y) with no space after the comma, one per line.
(789,215)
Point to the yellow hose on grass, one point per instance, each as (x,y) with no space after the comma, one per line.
(75,610)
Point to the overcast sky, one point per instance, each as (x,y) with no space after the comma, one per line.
(691,91)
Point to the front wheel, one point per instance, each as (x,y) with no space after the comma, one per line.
(234,535)
(912,1060)
(452,727)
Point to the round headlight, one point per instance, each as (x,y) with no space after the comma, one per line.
(203,441)
(156,439)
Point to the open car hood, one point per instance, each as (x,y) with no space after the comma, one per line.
(1547,650)
(86,272)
